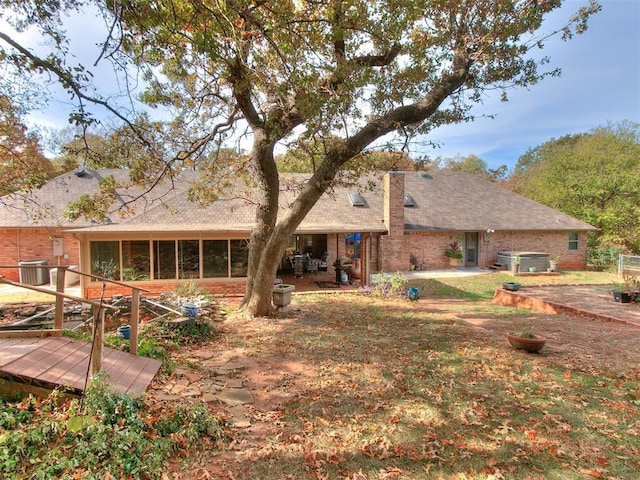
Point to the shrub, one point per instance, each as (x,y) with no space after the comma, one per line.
(105,435)
(605,256)
(386,284)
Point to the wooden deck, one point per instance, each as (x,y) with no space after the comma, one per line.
(63,362)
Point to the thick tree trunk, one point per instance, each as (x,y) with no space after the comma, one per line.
(258,303)
(269,238)
(268,185)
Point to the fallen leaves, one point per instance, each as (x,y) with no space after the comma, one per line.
(404,393)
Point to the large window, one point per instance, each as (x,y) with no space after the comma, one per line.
(239,257)
(105,259)
(189,259)
(573,240)
(215,258)
(136,260)
(164,259)
(131,260)
(352,245)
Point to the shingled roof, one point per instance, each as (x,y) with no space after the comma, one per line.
(45,207)
(234,211)
(458,201)
(444,201)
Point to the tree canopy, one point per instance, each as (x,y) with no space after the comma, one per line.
(23,166)
(328,77)
(592,176)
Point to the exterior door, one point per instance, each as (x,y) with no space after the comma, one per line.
(471,249)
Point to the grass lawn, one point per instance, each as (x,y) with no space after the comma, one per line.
(369,388)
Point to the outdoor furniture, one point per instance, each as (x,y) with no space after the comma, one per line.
(323,264)
(298,266)
(312,265)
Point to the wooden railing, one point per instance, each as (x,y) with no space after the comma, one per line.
(99,309)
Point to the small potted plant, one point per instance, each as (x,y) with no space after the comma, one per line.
(526,341)
(627,291)
(553,263)
(454,253)
(515,264)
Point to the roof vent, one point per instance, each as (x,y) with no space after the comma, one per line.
(426,176)
(80,172)
(409,201)
(356,199)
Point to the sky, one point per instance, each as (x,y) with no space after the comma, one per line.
(600,83)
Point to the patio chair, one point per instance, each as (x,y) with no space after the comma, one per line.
(323,263)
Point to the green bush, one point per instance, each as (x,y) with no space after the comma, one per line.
(387,284)
(604,257)
(105,435)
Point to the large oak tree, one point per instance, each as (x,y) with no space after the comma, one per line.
(330,77)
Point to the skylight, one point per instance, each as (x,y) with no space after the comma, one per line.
(409,201)
(356,199)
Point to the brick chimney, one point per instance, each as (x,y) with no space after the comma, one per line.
(394,203)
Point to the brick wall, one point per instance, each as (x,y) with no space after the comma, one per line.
(229,287)
(29,244)
(394,203)
(552,242)
(428,247)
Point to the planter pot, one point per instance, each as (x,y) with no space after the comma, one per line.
(125,331)
(532,345)
(622,297)
(553,266)
(281,294)
(356,269)
(413,293)
(512,286)
(190,310)
(453,262)
(515,267)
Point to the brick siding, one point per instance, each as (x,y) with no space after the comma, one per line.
(216,288)
(30,244)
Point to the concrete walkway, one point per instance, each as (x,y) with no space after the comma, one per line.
(451,273)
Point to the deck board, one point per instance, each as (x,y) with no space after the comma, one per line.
(63,362)
(57,371)
(14,348)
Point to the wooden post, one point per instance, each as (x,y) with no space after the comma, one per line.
(98,339)
(59,314)
(135,320)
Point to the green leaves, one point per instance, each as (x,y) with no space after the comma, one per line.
(592,176)
(76,424)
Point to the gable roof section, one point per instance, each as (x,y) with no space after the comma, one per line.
(45,207)
(458,201)
(234,211)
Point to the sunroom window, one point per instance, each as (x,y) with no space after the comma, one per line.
(131,260)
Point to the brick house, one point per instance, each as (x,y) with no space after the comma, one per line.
(387,222)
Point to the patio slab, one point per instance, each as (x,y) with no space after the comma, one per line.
(594,301)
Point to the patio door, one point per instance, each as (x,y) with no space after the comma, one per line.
(471,249)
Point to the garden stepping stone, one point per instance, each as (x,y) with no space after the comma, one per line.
(235,396)
(234,383)
(208,397)
(239,416)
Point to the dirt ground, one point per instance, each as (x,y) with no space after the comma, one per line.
(273,378)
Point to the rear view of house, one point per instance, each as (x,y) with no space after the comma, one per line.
(391,221)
